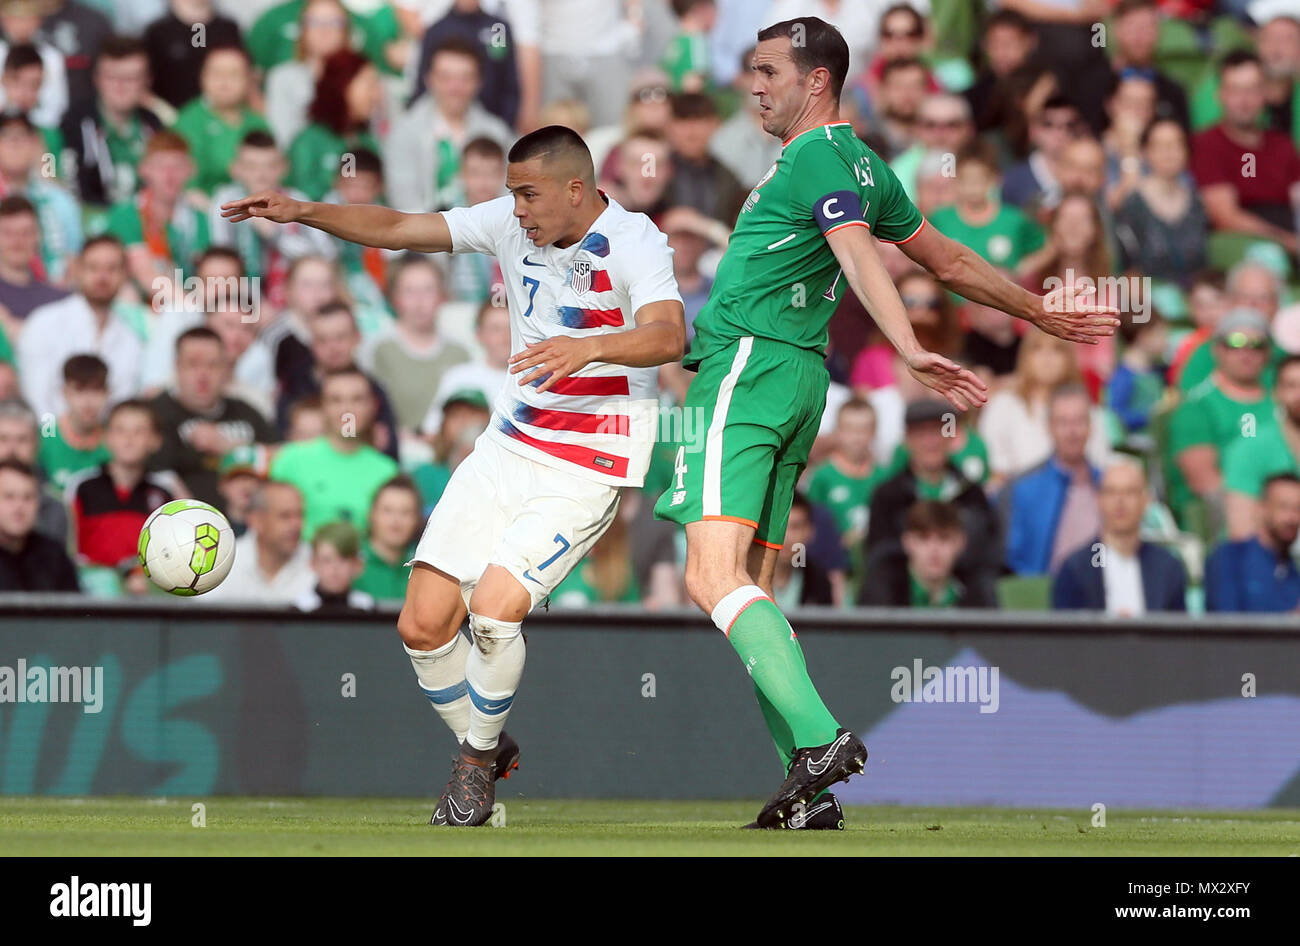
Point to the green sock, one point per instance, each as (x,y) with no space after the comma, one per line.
(762,637)
(781,735)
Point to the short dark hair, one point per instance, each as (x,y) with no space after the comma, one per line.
(1125,7)
(1059,101)
(918,21)
(683,7)
(121,47)
(484,147)
(1285,363)
(822,48)
(258,138)
(21,56)
(554,141)
(86,371)
(102,239)
(410,260)
(135,404)
(1271,481)
(1131,329)
(406,484)
(337,307)
(457,46)
(1013,19)
(349,370)
(16,204)
(14,465)
(366,161)
(17,118)
(687,106)
(198,333)
(1236,58)
(220,252)
(1156,123)
(979,151)
(929,517)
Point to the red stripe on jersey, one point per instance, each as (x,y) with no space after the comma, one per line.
(582,456)
(617,424)
(610,386)
(600,281)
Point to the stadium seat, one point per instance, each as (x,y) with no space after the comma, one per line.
(1025,592)
(1226,249)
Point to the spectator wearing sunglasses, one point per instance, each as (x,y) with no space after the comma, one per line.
(1036,180)
(1230,405)
(1248,464)
(943,127)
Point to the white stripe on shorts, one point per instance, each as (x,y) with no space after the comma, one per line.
(712,499)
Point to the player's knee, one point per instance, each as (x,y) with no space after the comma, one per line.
(700,586)
(491,635)
(420,632)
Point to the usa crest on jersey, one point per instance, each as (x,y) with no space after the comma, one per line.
(580,281)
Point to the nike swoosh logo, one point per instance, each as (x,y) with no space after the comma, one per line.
(528,262)
(801,818)
(821,765)
(492,707)
(456,814)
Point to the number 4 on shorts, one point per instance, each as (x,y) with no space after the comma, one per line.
(679,473)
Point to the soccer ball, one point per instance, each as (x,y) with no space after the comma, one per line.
(186,547)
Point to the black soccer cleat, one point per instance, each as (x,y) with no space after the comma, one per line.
(507,757)
(468,798)
(824,814)
(813,770)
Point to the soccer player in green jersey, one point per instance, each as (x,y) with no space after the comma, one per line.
(802,240)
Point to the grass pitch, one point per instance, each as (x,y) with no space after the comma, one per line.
(370,826)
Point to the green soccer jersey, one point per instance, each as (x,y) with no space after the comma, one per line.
(61,460)
(847,497)
(1209,417)
(213,141)
(381,579)
(1247,463)
(334,485)
(779,279)
(1004,241)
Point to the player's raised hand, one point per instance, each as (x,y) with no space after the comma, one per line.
(552,360)
(1071,311)
(271,205)
(962,388)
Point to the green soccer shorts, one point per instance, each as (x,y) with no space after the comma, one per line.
(760,404)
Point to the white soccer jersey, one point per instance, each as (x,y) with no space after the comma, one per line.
(600,423)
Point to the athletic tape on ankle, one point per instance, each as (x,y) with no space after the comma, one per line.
(732,604)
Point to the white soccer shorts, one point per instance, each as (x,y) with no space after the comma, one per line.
(500,508)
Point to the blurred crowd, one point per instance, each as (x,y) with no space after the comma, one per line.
(321,393)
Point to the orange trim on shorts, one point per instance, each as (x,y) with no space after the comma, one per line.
(744,522)
(767,544)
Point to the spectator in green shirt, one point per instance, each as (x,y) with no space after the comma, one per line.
(396,517)
(686,60)
(216,122)
(77,440)
(1230,405)
(161,230)
(1250,285)
(336,564)
(339,473)
(845,481)
(21,79)
(348,94)
(1001,234)
(1250,461)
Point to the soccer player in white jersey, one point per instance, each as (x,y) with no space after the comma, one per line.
(594,308)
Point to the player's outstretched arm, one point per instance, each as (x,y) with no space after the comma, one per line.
(368,224)
(866,275)
(659,337)
(1070,312)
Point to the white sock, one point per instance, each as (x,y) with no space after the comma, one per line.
(495,665)
(441,674)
